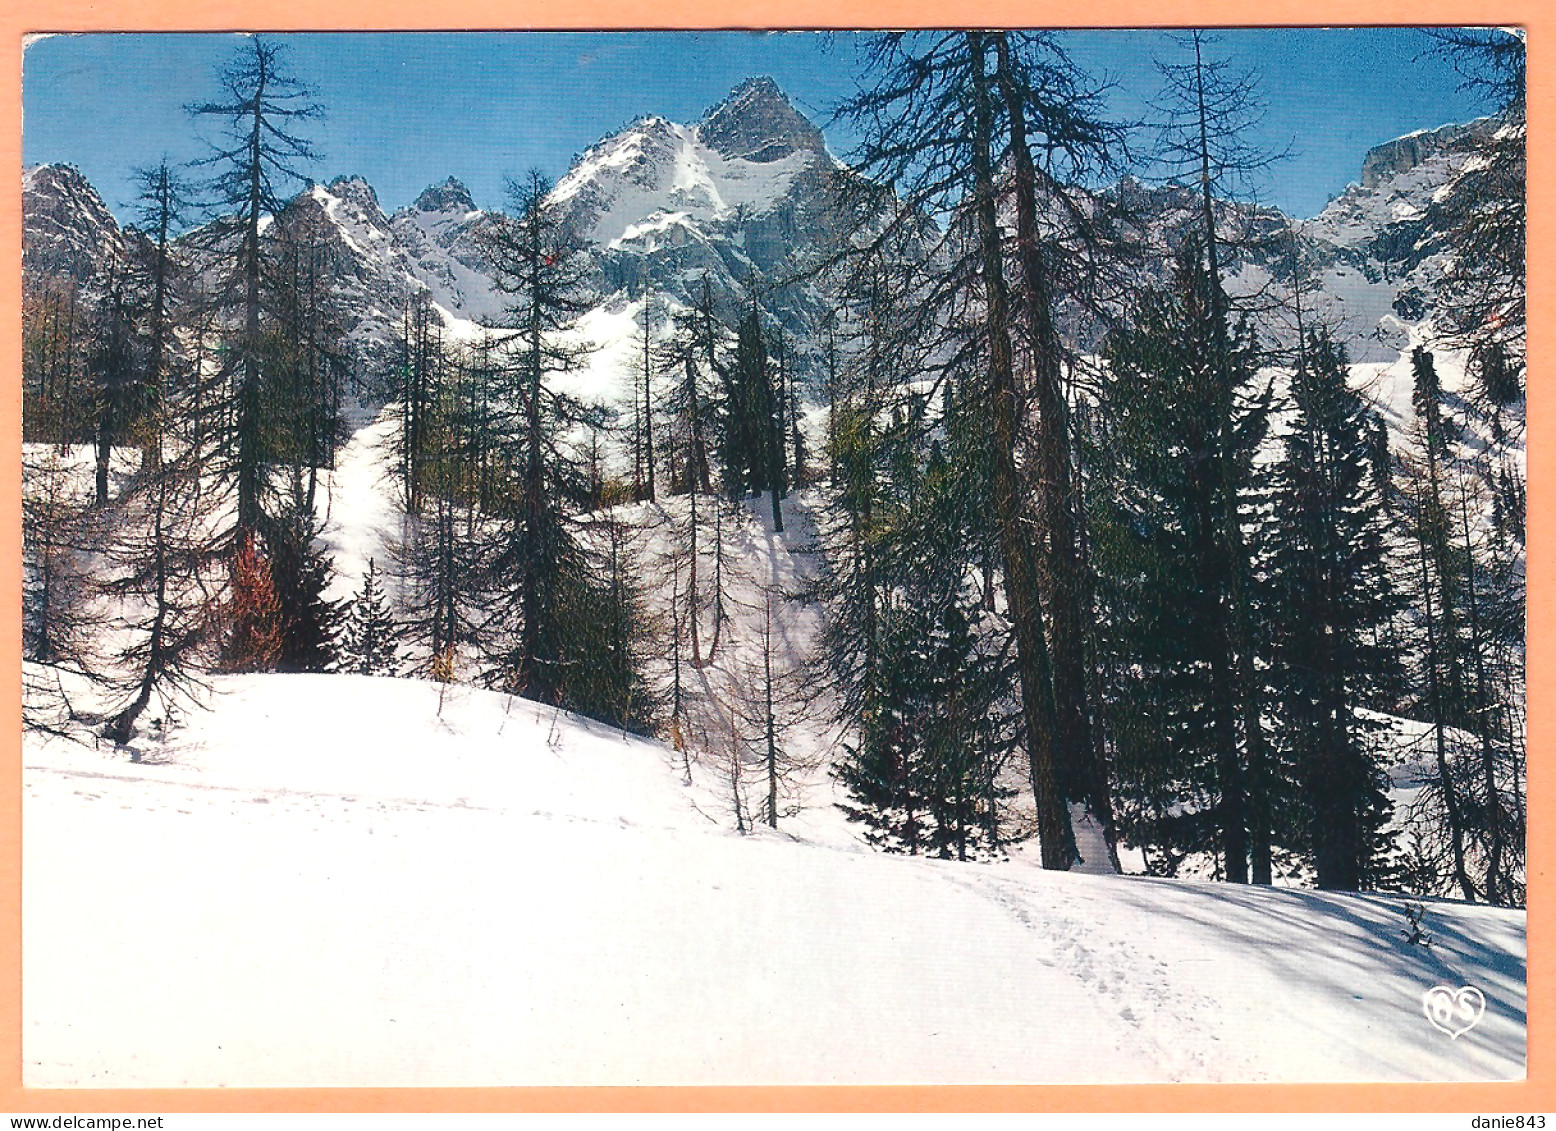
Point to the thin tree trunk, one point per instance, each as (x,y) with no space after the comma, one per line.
(1439,727)
(771,723)
(691,584)
(648,405)
(248,421)
(1483,702)
(123,726)
(1240,637)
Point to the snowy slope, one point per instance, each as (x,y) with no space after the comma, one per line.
(440,233)
(334,880)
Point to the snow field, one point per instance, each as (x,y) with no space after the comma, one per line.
(339,880)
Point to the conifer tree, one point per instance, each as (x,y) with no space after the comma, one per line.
(753,448)
(1048,101)
(56,531)
(164,559)
(1209,114)
(252,613)
(608,632)
(419,353)
(53,340)
(300,574)
(261,112)
(559,632)
(537,561)
(163,206)
(937,126)
(1329,594)
(116,375)
(369,638)
(305,359)
(438,569)
(1181,421)
(643,408)
(1466,584)
(1437,577)
(693,363)
(923,771)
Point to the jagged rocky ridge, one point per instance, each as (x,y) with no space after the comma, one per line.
(747,196)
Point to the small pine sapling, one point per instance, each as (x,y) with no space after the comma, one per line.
(369,640)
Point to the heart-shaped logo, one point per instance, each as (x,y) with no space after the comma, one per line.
(1455,1012)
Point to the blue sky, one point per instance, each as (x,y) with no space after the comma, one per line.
(405,110)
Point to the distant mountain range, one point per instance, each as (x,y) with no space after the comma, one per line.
(746,194)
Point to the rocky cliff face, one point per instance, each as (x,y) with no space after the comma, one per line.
(1405,153)
(758,123)
(450,196)
(67,231)
(1381,247)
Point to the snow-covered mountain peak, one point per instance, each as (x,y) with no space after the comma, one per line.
(640,157)
(450,196)
(739,163)
(1400,180)
(67,229)
(360,196)
(758,123)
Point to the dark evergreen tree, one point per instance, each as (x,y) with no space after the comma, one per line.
(305,359)
(689,406)
(369,638)
(419,354)
(558,633)
(1329,594)
(300,573)
(116,376)
(1180,422)
(1209,113)
(922,773)
(753,449)
(260,112)
(608,632)
(163,206)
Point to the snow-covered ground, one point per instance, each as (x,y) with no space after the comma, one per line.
(341,880)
